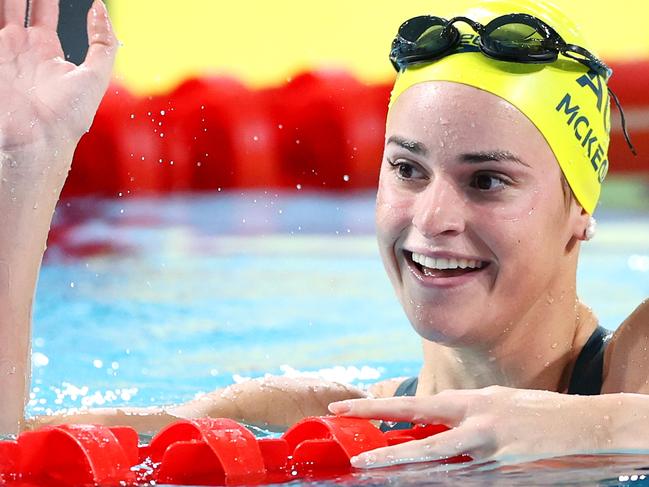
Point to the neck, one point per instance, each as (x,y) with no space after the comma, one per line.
(538,351)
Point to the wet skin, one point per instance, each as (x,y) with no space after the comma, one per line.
(467,175)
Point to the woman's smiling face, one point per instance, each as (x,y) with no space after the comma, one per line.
(472,221)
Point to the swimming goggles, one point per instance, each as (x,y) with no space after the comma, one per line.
(519,38)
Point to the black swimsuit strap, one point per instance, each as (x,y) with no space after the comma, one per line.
(587,374)
(407,388)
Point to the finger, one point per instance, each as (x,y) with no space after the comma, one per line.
(103,44)
(452,443)
(45,13)
(13,12)
(448,409)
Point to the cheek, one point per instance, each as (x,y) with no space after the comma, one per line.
(393,210)
(530,241)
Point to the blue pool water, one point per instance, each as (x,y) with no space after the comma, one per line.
(149,301)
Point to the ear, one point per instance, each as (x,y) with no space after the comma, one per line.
(581,222)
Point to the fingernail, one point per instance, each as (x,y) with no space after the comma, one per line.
(340,407)
(363,460)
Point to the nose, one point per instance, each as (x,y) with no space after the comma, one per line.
(439,209)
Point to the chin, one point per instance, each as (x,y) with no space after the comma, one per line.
(444,328)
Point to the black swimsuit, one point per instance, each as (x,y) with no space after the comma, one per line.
(586,377)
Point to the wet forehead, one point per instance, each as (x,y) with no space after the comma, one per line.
(445,116)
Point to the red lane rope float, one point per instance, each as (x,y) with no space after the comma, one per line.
(222,134)
(9,466)
(331,130)
(207,452)
(119,155)
(329,442)
(629,82)
(204,451)
(78,455)
(99,157)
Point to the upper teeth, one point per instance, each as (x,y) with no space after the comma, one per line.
(433,263)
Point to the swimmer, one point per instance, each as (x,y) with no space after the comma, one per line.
(486,192)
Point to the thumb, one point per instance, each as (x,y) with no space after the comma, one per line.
(102,42)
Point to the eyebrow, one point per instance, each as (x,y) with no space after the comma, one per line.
(489,156)
(470,157)
(410,145)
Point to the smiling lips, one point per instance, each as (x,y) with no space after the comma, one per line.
(443,267)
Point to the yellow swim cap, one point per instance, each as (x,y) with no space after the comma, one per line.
(568,104)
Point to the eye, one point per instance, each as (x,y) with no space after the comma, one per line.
(407,170)
(488,182)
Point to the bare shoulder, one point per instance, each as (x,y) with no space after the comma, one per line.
(627,356)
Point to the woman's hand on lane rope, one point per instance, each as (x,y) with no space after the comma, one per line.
(45,98)
(491,424)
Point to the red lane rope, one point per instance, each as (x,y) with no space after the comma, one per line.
(207,451)
(322,130)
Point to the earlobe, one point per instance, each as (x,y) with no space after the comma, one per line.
(589,233)
(585,225)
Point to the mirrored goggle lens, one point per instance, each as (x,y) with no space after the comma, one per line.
(424,32)
(432,38)
(519,37)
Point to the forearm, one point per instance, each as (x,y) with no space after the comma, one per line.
(627,417)
(30,182)
(145,420)
(271,403)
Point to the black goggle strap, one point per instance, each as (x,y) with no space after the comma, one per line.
(585,57)
(623,120)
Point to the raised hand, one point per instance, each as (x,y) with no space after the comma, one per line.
(44,98)
(46,104)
